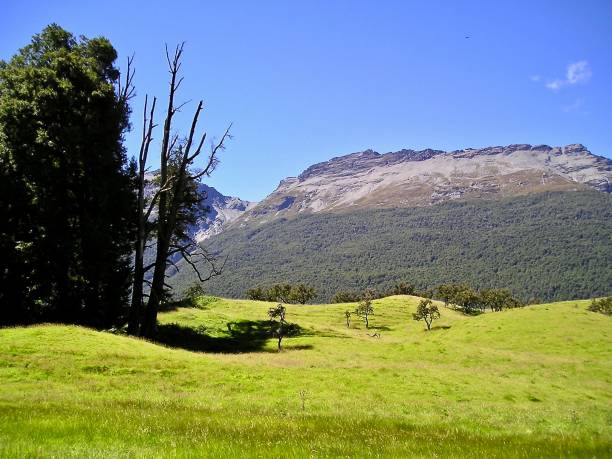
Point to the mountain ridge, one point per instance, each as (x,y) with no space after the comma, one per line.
(407,178)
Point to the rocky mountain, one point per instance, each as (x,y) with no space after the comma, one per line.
(221,209)
(410,178)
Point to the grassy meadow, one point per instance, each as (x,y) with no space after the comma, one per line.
(531,382)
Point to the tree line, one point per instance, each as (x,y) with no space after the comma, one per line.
(285,293)
(77,218)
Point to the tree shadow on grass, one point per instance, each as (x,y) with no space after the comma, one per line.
(439,327)
(240,336)
(379,328)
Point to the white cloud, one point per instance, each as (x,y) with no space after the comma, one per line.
(535,78)
(577,73)
(576,105)
(555,84)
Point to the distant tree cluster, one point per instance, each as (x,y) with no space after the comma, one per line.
(346,297)
(603,306)
(401,288)
(284,293)
(464,297)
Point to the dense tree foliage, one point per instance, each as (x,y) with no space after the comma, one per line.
(66,191)
(547,246)
(464,297)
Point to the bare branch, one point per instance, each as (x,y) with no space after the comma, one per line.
(178,108)
(148,267)
(126,91)
(212,158)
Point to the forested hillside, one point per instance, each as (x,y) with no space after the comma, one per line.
(548,246)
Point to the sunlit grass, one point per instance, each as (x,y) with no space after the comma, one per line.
(531,382)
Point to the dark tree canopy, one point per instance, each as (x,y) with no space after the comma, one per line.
(65,185)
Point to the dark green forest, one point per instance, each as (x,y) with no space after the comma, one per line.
(549,246)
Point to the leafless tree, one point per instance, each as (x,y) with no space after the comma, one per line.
(176,200)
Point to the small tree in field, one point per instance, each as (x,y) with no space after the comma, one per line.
(278,329)
(364,308)
(347,315)
(426,311)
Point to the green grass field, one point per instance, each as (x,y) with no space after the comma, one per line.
(532,382)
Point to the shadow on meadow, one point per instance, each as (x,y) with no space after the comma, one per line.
(240,336)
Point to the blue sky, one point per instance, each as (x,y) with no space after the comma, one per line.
(305,81)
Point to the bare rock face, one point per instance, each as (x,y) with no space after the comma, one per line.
(222,210)
(409,178)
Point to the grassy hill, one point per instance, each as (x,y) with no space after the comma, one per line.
(547,246)
(532,382)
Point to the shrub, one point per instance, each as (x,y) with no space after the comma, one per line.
(603,306)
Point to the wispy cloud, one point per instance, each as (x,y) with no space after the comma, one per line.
(576,106)
(573,106)
(577,73)
(535,78)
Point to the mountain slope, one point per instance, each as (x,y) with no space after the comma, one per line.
(409,178)
(550,246)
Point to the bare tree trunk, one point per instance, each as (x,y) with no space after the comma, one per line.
(134,317)
(171,196)
(149,321)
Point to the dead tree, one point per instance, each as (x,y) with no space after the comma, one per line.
(142,216)
(175,200)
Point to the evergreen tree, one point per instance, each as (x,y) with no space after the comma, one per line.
(66,188)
